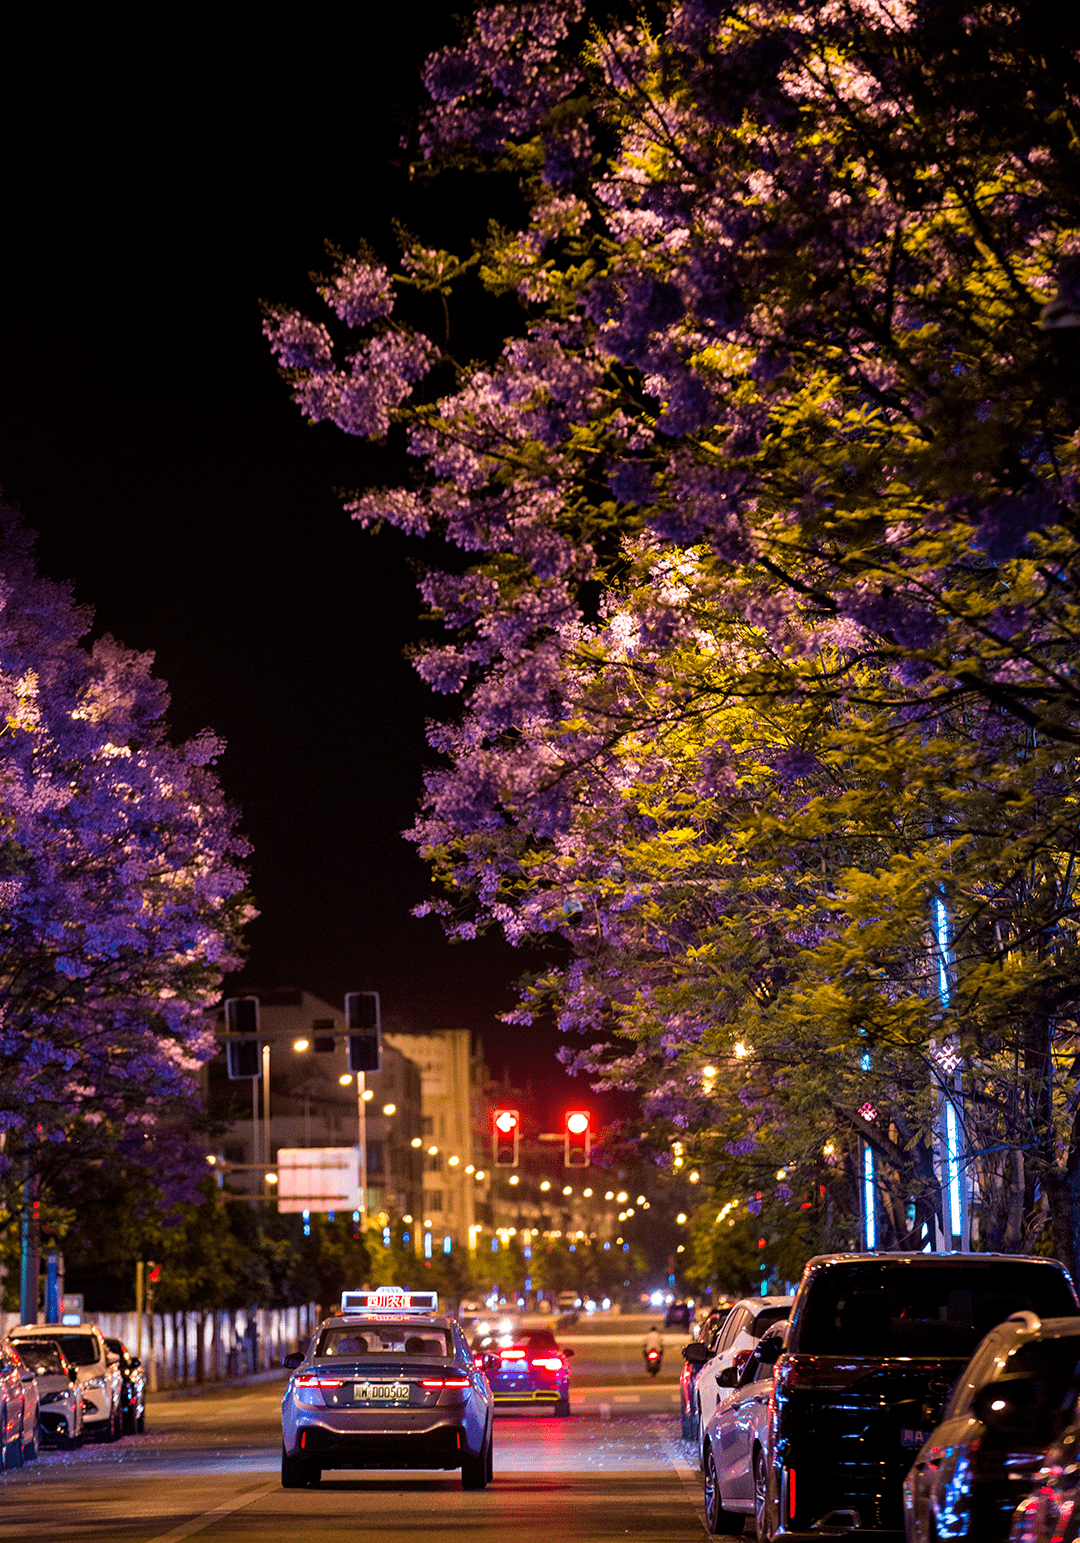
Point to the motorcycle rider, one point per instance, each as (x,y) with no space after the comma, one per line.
(653,1345)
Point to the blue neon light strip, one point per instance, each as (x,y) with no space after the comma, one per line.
(952,1163)
(941,931)
(868,1197)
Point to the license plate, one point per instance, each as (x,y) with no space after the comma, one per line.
(913,1438)
(380,1392)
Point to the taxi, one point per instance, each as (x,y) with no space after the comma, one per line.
(388,1382)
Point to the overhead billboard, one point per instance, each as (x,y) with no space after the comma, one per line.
(318,1179)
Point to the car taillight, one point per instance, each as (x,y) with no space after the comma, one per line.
(549,1363)
(478,1362)
(446,1382)
(513,1355)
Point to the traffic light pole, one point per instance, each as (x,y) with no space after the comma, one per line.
(361,1124)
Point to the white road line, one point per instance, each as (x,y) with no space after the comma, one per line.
(208,1518)
(626,1398)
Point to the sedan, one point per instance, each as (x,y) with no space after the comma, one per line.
(526,1368)
(59,1397)
(736,1440)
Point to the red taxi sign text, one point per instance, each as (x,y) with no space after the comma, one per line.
(390,1299)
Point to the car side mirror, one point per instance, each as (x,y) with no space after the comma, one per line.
(293,1360)
(696,1353)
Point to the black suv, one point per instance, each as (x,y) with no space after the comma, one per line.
(874,1345)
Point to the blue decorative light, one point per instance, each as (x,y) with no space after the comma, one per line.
(870,1225)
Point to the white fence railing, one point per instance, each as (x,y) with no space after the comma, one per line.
(182,1348)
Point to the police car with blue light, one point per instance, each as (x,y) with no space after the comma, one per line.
(388,1382)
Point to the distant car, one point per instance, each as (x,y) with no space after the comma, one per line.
(745,1324)
(133,1376)
(875,1344)
(567,1301)
(59,1398)
(20,1420)
(98,1368)
(527,1367)
(972,1472)
(678,1315)
(735,1434)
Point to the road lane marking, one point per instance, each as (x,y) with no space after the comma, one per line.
(208,1518)
(626,1398)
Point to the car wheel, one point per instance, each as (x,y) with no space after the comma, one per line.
(562,1409)
(762,1531)
(491,1457)
(475,1471)
(129,1422)
(295,1472)
(31,1451)
(695,1422)
(13,1452)
(721,1523)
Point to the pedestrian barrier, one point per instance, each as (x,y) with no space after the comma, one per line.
(178,1349)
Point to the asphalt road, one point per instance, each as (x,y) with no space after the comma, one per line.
(208,1467)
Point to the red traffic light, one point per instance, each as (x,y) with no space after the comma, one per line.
(577,1122)
(505,1133)
(577,1141)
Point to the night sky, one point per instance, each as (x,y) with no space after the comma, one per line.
(155,188)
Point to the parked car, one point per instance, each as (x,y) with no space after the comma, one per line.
(1050,1513)
(98,1369)
(972,1473)
(746,1323)
(874,1346)
(20,1419)
(734,1436)
(59,1398)
(133,1376)
(700,1350)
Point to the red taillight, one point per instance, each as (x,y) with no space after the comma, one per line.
(549,1363)
(513,1355)
(312,1381)
(446,1382)
(478,1362)
(791,1494)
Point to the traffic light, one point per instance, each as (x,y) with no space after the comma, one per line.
(364,1023)
(242,1054)
(505,1130)
(578,1141)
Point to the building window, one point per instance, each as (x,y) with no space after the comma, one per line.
(427,1126)
(433,1200)
(432,1162)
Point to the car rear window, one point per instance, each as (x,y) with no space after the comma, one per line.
(540,1339)
(897,1309)
(398,1339)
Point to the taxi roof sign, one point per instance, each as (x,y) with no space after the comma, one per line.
(390,1299)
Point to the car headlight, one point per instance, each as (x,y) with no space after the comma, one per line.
(95,1382)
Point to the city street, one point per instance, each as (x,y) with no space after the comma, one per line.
(208,1467)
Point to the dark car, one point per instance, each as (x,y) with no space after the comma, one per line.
(875,1344)
(526,1367)
(969,1477)
(134,1391)
(678,1315)
(1050,1513)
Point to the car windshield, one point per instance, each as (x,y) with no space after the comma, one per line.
(42,1357)
(899,1309)
(80,1349)
(398,1339)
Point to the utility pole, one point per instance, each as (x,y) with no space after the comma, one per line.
(31,1248)
(140,1282)
(361,1126)
(266,1157)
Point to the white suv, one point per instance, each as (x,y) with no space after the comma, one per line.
(96,1367)
(743,1327)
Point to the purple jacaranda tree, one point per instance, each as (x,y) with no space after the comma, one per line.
(779,457)
(121,893)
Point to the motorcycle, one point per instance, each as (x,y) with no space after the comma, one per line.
(653,1358)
